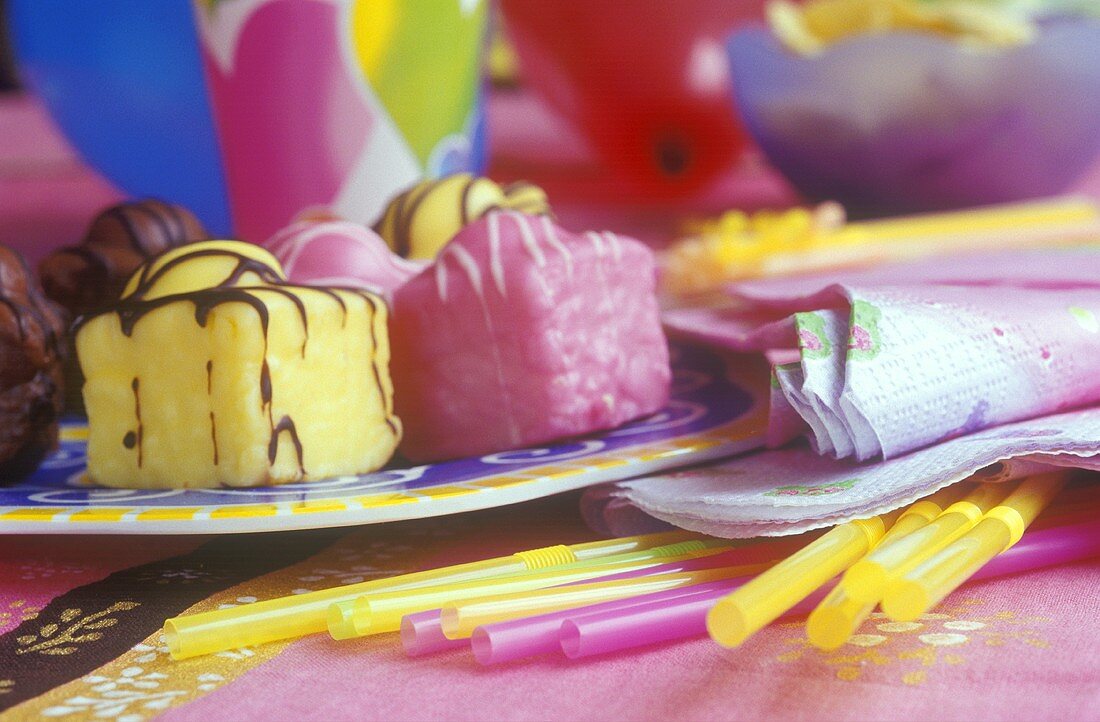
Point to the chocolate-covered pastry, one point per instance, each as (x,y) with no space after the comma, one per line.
(31,329)
(91,275)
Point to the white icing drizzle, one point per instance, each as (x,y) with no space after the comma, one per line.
(469,265)
(553,240)
(616,245)
(292,241)
(597,242)
(441,278)
(529,241)
(496,265)
(508,409)
(346,282)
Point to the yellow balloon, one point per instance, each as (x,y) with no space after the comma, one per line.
(372,26)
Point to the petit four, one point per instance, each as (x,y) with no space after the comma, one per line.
(91,275)
(521,333)
(420,221)
(340,253)
(212,369)
(31,335)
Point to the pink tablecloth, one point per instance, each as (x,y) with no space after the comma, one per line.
(80,617)
(1018,648)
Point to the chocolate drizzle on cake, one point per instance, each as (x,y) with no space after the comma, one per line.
(286,424)
(387,401)
(136,305)
(213,423)
(91,275)
(265,383)
(526,198)
(134,438)
(397,222)
(214,436)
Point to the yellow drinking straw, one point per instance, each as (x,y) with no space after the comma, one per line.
(867,578)
(838,615)
(741,613)
(923,587)
(459,619)
(378,612)
(736,246)
(297,615)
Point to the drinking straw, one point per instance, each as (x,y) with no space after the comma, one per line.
(422,632)
(864,582)
(583,635)
(836,618)
(297,615)
(517,638)
(459,619)
(737,616)
(922,588)
(635,625)
(840,614)
(1070,212)
(378,612)
(1065,220)
(921,513)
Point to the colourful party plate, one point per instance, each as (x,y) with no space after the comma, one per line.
(718,409)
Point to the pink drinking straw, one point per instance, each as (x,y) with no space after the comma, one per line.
(516,638)
(584,634)
(422,633)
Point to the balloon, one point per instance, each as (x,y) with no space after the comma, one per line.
(646,81)
(123,80)
(428,45)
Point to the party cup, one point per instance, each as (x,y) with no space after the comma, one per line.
(333,106)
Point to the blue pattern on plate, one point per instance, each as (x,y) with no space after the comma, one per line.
(703,398)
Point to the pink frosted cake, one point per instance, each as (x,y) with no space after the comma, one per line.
(521,333)
(340,253)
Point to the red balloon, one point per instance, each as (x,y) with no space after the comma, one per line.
(647,81)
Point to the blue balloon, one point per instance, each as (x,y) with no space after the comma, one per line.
(124,80)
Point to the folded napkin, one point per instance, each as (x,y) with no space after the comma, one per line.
(903,379)
(792,490)
(871,368)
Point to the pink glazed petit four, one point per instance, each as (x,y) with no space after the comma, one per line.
(521,333)
(340,253)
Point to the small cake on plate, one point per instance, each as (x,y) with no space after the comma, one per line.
(90,275)
(420,221)
(31,333)
(213,370)
(522,333)
(340,253)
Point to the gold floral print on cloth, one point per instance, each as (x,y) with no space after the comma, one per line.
(145,680)
(909,652)
(17,611)
(73,627)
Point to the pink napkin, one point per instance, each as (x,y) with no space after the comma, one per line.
(881,365)
(902,379)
